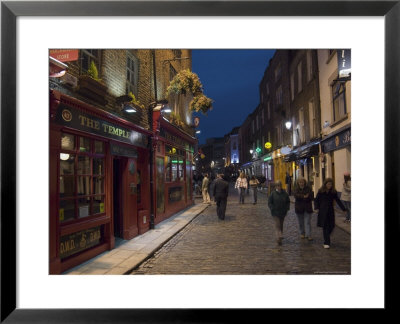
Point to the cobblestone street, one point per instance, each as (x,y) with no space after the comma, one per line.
(245,243)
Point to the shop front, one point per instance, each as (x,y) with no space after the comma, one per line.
(267,170)
(336,155)
(303,162)
(99,181)
(173,170)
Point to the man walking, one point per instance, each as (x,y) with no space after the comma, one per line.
(220,193)
(204,190)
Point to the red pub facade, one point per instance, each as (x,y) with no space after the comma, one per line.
(100,173)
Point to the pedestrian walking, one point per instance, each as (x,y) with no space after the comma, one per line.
(346,195)
(220,193)
(288,181)
(253,185)
(323,205)
(241,185)
(279,204)
(204,189)
(303,207)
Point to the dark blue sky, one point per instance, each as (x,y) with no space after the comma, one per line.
(231,78)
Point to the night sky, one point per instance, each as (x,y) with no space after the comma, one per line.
(231,78)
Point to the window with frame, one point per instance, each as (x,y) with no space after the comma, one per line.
(174,165)
(299,77)
(292,86)
(339,100)
(278,135)
(172,72)
(269,111)
(131,73)
(312,121)
(86,57)
(81,176)
(279,96)
(309,65)
(177,53)
(301,125)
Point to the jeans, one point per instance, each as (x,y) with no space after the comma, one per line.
(304,223)
(278,226)
(347,204)
(241,195)
(254,192)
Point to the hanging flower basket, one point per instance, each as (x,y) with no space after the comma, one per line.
(201,103)
(185,81)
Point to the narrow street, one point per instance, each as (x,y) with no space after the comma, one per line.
(244,243)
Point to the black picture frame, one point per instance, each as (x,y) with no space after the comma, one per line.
(10,10)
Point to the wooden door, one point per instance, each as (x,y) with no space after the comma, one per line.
(129,189)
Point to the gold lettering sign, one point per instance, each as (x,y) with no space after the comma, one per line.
(77,242)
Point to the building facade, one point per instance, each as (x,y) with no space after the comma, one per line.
(117,164)
(335,94)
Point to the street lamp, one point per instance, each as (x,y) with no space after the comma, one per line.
(288,124)
(251,151)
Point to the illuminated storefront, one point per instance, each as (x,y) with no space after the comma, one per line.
(99,181)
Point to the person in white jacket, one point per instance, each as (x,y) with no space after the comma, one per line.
(346,195)
(241,185)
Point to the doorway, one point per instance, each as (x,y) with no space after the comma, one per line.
(117,199)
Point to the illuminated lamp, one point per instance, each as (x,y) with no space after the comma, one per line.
(268,145)
(64,156)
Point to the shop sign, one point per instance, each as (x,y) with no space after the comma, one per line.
(175,194)
(337,141)
(123,151)
(174,139)
(77,242)
(74,118)
(65,55)
(344,63)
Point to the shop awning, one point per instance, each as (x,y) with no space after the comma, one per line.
(308,151)
(303,152)
(292,156)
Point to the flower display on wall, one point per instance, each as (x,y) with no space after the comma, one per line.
(188,82)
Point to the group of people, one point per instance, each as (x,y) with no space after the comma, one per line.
(279,203)
(243,184)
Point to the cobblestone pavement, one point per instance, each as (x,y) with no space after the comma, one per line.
(245,243)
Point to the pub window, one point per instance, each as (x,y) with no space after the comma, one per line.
(172,72)
(339,100)
(86,57)
(131,74)
(177,53)
(81,176)
(174,165)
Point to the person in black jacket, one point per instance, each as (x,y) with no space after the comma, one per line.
(303,208)
(279,204)
(220,193)
(323,205)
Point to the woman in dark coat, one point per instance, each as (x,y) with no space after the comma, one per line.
(303,207)
(323,205)
(279,204)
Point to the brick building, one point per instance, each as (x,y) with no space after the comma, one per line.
(117,166)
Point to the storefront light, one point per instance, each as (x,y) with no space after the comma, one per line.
(64,156)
